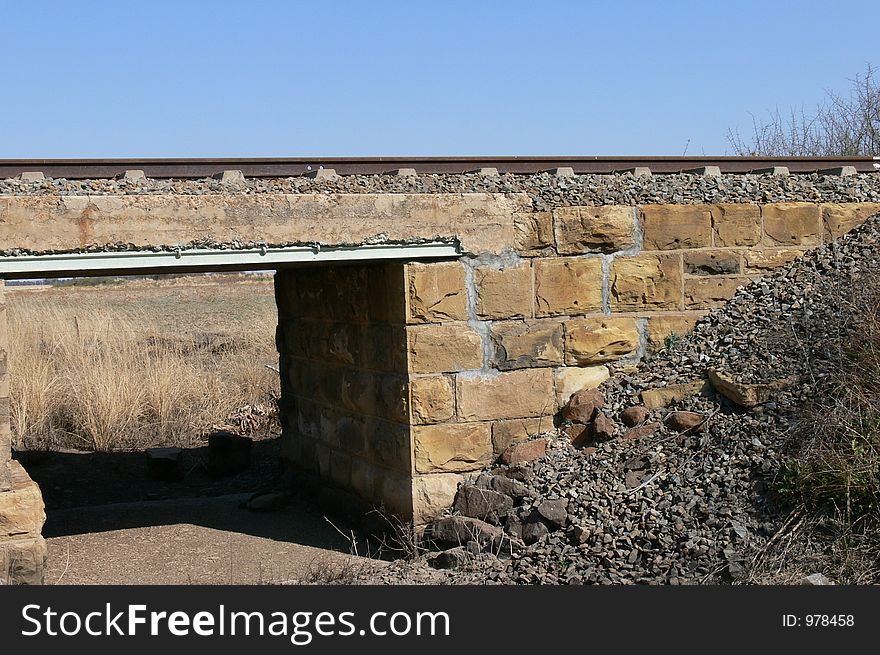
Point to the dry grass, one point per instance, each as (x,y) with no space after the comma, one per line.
(832,475)
(89,369)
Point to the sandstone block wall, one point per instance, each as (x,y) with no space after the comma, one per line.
(342,348)
(481,352)
(621,279)
(497,344)
(22,548)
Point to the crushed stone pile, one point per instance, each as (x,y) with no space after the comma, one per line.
(664,474)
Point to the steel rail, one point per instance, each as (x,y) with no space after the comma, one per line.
(279,167)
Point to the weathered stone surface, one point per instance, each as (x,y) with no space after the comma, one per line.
(504,292)
(598,340)
(792,224)
(364,478)
(604,229)
(452,447)
(449,559)
(633,478)
(646,282)
(524,452)
(457,530)
(525,344)
(21,509)
(603,428)
(340,294)
(512,394)
(515,430)
(840,218)
(23,560)
(533,531)
(816,580)
(519,471)
(578,434)
(444,348)
(641,431)
(433,494)
(571,379)
(670,227)
(580,534)
(395,492)
(761,261)
(482,222)
(663,396)
(746,395)
(583,405)
(660,327)
(436,292)
(683,421)
(568,286)
(432,399)
(484,504)
(554,512)
(340,468)
(710,292)
(513,526)
(533,233)
(736,224)
(634,415)
(711,262)
(508,486)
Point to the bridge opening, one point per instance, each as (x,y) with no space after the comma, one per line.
(116,381)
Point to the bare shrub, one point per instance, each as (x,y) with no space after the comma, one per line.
(843,125)
(831,476)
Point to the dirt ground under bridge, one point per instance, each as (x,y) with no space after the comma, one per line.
(195,541)
(108,523)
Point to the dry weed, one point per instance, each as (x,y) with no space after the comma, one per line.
(85,376)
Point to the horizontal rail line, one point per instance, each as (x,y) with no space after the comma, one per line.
(269,167)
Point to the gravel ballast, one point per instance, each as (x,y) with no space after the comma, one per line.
(546,190)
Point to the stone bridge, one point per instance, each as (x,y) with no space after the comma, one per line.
(419,334)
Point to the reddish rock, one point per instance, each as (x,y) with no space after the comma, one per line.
(681,421)
(582,405)
(579,434)
(524,451)
(632,416)
(590,450)
(603,428)
(641,431)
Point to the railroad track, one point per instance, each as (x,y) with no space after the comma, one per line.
(294,166)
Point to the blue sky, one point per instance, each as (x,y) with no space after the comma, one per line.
(325,78)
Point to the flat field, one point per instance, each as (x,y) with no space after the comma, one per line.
(132,363)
